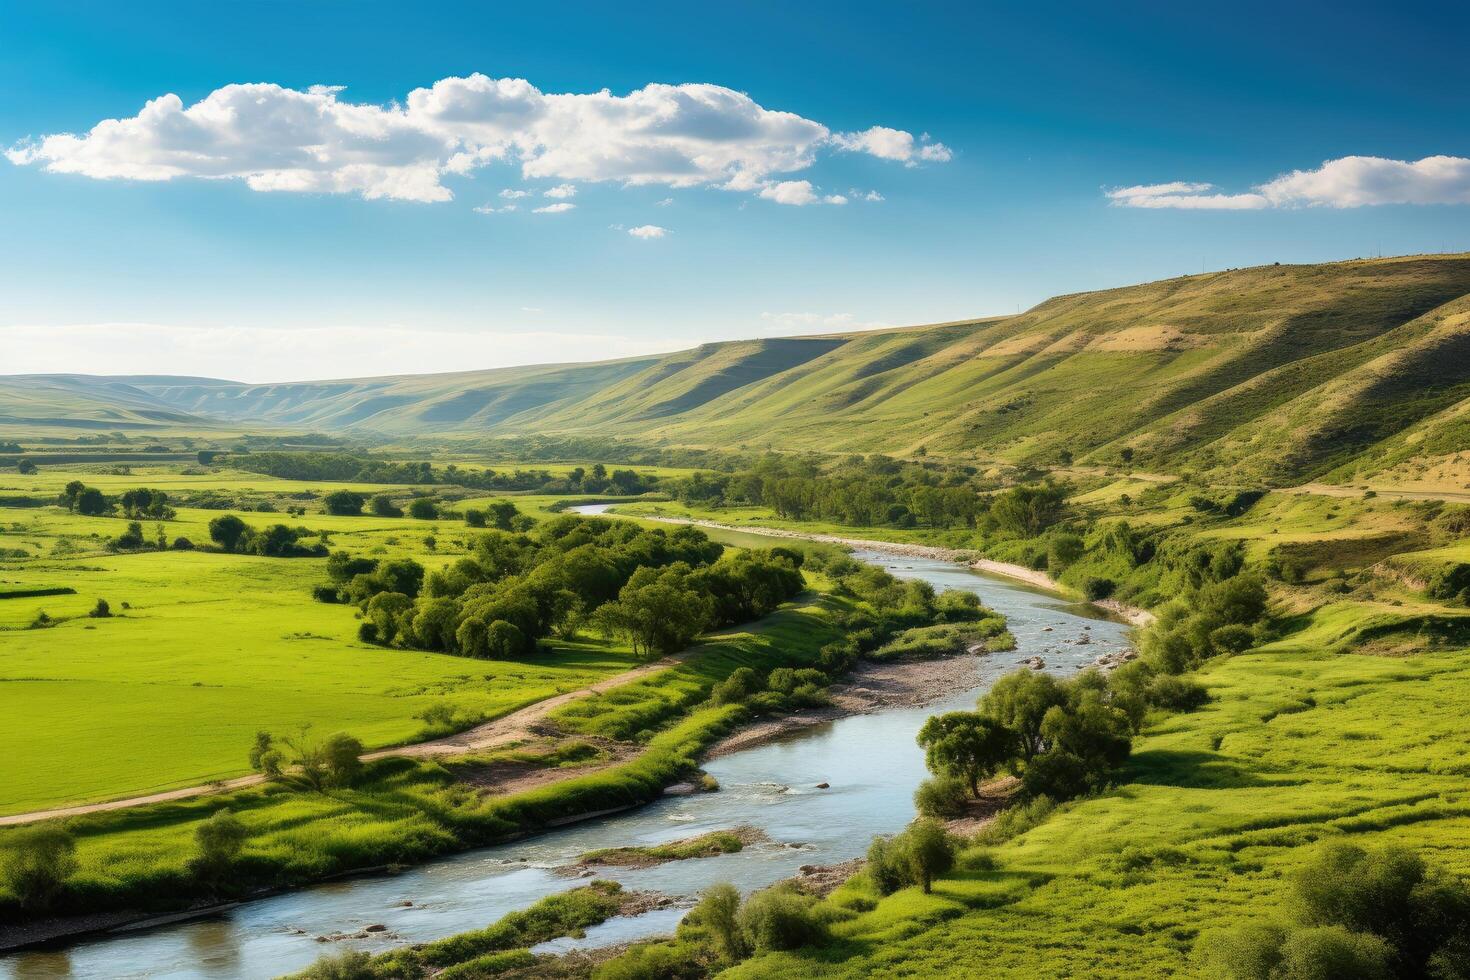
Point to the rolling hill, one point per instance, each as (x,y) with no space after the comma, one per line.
(1273,373)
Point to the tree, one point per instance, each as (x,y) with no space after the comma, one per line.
(1027,511)
(343,503)
(36,864)
(221,838)
(101,611)
(71,493)
(91,502)
(1020,701)
(474,518)
(966,745)
(423,509)
(226,531)
(500,514)
(26,467)
(265,758)
(383,506)
(930,851)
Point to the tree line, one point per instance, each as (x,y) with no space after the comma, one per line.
(361,468)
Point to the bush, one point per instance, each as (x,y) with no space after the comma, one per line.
(325,593)
(942,797)
(351,965)
(383,506)
(183,544)
(740,685)
(221,838)
(36,864)
(343,503)
(423,509)
(101,611)
(718,913)
(1097,589)
(781,919)
(1176,694)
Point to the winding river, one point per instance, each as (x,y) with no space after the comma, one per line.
(870,762)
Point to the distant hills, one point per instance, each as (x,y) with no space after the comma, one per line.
(1273,373)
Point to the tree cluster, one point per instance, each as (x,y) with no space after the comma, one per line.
(656,589)
(361,468)
(139,503)
(1374,915)
(231,534)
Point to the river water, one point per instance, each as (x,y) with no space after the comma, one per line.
(870,762)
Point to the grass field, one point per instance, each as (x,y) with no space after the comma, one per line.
(1297,747)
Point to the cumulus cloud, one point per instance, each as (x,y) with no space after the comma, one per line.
(1347,182)
(281,139)
(834,199)
(513,195)
(492,209)
(794,192)
(648,231)
(894,144)
(559,208)
(872,196)
(561,190)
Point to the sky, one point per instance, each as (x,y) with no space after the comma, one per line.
(288,190)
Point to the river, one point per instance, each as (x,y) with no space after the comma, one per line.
(870,762)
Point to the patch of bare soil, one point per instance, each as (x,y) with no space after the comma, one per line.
(870,687)
(504,776)
(994,797)
(822,880)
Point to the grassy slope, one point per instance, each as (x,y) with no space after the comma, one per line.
(1273,373)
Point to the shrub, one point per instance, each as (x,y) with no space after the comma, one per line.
(741,684)
(325,593)
(942,797)
(780,919)
(1097,589)
(1176,693)
(718,913)
(36,864)
(351,965)
(423,509)
(221,838)
(383,506)
(101,611)
(930,851)
(183,544)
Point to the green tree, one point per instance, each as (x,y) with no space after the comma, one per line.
(423,509)
(929,849)
(227,531)
(1020,701)
(91,502)
(343,503)
(71,493)
(967,745)
(718,913)
(383,506)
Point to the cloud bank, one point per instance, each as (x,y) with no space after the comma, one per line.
(280,139)
(1347,182)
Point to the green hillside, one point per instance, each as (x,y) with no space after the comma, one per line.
(1274,373)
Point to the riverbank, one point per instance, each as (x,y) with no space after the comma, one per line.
(870,687)
(1132,615)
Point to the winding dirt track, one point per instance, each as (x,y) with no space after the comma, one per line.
(513,727)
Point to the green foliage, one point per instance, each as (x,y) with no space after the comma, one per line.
(37,863)
(343,503)
(942,797)
(782,918)
(967,745)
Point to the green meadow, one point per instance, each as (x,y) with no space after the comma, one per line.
(1296,748)
(203,649)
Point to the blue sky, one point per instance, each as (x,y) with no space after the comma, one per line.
(1068,147)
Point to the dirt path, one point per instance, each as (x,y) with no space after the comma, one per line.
(1329,490)
(1131,614)
(514,727)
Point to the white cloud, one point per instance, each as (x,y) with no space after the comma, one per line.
(560,208)
(794,192)
(1347,182)
(872,196)
(512,195)
(281,139)
(834,199)
(1184,196)
(648,231)
(261,354)
(664,203)
(561,190)
(894,144)
(489,209)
